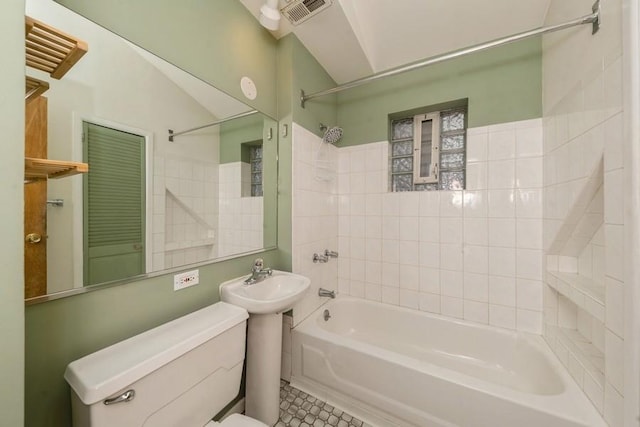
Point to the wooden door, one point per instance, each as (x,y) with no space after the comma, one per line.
(35,202)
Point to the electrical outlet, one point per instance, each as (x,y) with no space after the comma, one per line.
(186,279)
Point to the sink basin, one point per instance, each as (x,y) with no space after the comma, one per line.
(275,294)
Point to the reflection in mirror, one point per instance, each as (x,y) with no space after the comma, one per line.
(146,204)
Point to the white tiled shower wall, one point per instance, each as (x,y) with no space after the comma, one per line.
(240,215)
(195,184)
(314,216)
(474,254)
(582,107)
(314,225)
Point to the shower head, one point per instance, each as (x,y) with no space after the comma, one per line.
(331,135)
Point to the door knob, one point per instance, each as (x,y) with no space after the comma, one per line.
(33,238)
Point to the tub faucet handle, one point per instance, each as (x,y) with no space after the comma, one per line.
(331,254)
(320,258)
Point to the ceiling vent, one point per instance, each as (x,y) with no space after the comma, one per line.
(298,11)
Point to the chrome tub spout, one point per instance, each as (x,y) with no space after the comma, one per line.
(326,293)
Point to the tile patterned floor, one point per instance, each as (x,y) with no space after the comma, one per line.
(299,409)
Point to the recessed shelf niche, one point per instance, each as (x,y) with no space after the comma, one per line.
(575,271)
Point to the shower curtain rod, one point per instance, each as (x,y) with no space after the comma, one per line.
(593,18)
(173,134)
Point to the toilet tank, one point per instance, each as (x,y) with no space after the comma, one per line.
(182,373)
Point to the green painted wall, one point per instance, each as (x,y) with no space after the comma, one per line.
(11,213)
(502,84)
(63,330)
(217,41)
(270,149)
(236,132)
(308,75)
(285,89)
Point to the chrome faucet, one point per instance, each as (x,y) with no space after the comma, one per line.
(258,272)
(326,293)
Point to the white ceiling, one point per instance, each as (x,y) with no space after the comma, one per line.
(356,38)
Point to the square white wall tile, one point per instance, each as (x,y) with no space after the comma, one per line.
(502,203)
(502,317)
(501,144)
(476,231)
(529,321)
(452,307)
(476,311)
(476,259)
(477,143)
(502,291)
(502,232)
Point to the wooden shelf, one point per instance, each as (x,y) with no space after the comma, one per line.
(34,88)
(51,50)
(584,292)
(39,169)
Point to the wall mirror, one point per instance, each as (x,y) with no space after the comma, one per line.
(146,204)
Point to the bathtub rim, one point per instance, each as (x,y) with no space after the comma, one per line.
(571,404)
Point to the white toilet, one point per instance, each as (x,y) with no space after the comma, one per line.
(181,373)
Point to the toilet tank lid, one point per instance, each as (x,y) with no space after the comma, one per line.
(101,374)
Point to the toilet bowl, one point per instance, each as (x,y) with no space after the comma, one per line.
(181,373)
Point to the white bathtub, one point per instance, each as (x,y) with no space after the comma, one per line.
(397,367)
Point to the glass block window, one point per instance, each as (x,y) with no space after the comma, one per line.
(255,158)
(428,151)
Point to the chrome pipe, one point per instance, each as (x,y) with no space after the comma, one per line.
(593,18)
(173,134)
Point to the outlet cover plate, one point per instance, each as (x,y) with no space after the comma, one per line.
(186,279)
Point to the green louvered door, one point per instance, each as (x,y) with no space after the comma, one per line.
(114,204)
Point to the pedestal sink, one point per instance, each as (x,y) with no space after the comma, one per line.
(265,301)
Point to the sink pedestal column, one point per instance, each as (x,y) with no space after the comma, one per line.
(264,352)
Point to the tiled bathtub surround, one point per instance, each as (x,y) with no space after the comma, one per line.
(474,254)
(314,216)
(240,215)
(583,125)
(185,211)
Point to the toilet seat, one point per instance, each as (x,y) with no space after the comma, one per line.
(236,420)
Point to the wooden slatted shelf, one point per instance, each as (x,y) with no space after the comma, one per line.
(34,88)
(51,50)
(54,52)
(39,169)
